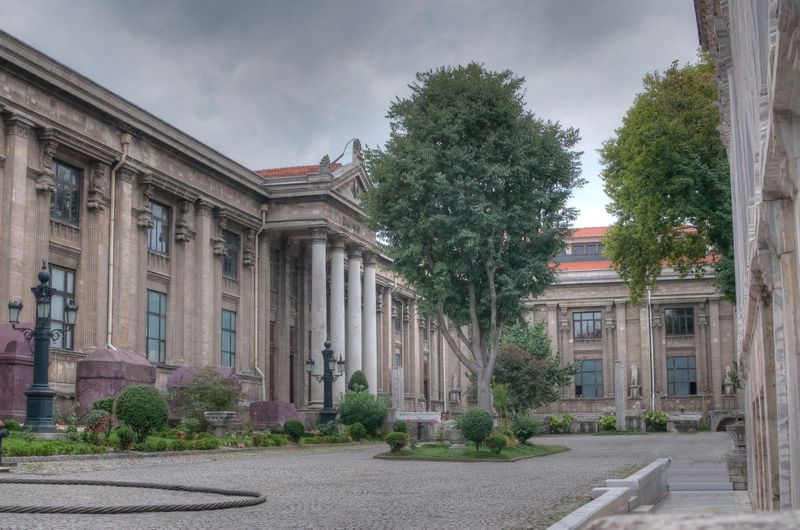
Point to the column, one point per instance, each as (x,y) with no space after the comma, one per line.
(609,385)
(565,348)
(715,377)
(124,302)
(370,360)
(337,310)
(702,359)
(204,274)
(319,301)
(95,256)
(354,359)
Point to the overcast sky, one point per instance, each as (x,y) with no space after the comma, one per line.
(278,83)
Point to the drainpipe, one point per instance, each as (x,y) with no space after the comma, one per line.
(255,304)
(125,140)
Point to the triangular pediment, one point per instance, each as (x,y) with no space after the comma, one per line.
(350,181)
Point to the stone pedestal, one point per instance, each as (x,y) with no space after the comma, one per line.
(634,392)
(106,371)
(220,420)
(16,372)
(737,459)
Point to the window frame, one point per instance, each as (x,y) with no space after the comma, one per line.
(67,340)
(162,222)
(596,385)
(690,379)
(228,357)
(73,189)
(679,321)
(597,320)
(161,317)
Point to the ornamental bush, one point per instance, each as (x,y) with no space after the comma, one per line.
(328,428)
(364,408)
(475,425)
(496,442)
(106,404)
(656,421)
(122,437)
(400,426)
(97,422)
(12,425)
(294,430)
(561,424)
(358,381)
(524,427)
(608,422)
(143,408)
(207,391)
(396,441)
(356,431)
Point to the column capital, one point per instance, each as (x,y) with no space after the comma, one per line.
(204,208)
(337,244)
(370,258)
(16,125)
(319,234)
(355,251)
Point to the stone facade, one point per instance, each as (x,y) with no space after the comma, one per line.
(590,320)
(755,45)
(205,262)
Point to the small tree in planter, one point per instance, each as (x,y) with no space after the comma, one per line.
(143,408)
(396,441)
(294,430)
(475,425)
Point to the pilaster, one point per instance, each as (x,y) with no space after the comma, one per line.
(370,339)
(354,333)
(205,272)
(337,308)
(318,309)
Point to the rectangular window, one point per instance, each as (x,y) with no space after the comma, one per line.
(681,376)
(63,281)
(589,380)
(228,338)
(66,198)
(156,327)
(587,325)
(158,234)
(679,321)
(587,249)
(230,263)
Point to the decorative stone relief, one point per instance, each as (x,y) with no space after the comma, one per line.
(248,253)
(610,321)
(218,244)
(379,300)
(144,214)
(46,183)
(656,316)
(564,321)
(319,233)
(421,322)
(183,230)
(357,149)
(97,187)
(17,126)
(325,165)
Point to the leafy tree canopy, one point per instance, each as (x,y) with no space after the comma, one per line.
(529,369)
(470,195)
(667,174)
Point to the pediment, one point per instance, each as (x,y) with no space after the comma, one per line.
(351,183)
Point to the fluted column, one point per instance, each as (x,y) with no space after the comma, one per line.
(354,311)
(318,312)
(337,309)
(370,346)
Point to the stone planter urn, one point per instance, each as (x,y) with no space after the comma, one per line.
(220,420)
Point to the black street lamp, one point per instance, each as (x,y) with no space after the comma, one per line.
(39,410)
(328,377)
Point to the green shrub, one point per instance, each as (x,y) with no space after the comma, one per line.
(510,437)
(326,439)
(475,425)
(561,424)
(704,425)
(400,426)
(98,422)
(356,431)
(364,408)
(524,427)
(106,404)
(143,408)
(496,442)
(358,382)
(207,391)
(396,441)
(122,437)
(328,428)
(12,425)
(294,430)
(608,422)
(656,420)
(189,426)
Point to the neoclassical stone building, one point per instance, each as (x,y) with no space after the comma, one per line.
(755,45)
(591,321)
(177,253)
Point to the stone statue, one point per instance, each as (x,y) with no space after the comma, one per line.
(634,375)
(455,382)
(727,383)
(728,378)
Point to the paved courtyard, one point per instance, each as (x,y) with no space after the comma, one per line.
(346,488)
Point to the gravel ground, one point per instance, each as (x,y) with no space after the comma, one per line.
(344,487)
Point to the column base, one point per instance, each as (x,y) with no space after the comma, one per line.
(39,409)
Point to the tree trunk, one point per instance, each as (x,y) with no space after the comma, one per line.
(484,382)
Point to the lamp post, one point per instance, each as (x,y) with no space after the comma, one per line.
(39,409)
(330,364)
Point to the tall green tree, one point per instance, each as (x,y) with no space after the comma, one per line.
(529,369)
(470,196)
(667,174)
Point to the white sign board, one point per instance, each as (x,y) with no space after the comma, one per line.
(419,417)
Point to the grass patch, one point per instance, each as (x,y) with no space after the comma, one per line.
(439,451)
(611,433)
(17,445)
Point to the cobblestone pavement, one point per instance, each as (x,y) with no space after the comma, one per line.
(344,487)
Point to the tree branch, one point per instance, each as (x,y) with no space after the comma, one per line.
(448,337)
(477,343)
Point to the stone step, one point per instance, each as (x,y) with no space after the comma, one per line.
(700,486)
(644,508)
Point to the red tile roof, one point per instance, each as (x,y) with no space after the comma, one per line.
(593,231)
(292,171)
(599,265)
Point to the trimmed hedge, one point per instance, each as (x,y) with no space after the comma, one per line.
(396,441)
